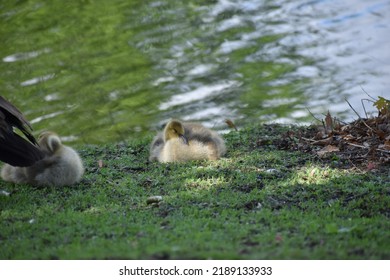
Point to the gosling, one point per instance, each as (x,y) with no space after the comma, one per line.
(61,165)
(180,142)
(14,149)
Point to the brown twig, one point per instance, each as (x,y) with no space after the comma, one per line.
(353,109)
(313,115)
(359,116)
(367,93)
(364,147)
(364,107)
(318,142)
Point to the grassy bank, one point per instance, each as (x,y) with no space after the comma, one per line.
(264,200)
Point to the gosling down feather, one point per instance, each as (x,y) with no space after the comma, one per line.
(61,165)
(14,149)
(182,141)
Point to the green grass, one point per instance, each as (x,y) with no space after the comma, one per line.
(258,202)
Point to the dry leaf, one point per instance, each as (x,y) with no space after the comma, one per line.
(348,137)
(327,149)
(381,134)
(371,166)
(319,135)
(385,146)
(346,128)
(230,123)
(328,123)
(278,238)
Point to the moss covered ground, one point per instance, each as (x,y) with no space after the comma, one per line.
(263,200)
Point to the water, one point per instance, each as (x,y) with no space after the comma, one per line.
(106,71)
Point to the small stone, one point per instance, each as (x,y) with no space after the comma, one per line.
(154,199)
(272,171)
(5,193)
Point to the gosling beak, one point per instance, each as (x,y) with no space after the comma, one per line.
(183,138)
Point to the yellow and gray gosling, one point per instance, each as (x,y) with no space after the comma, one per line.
(182,141)
(61,165)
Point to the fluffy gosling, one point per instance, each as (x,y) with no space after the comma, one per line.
(182,141)
(61,165)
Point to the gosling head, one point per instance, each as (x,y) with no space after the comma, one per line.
(175,129)
(50,142)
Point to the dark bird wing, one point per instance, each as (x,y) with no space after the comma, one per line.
(15,118)
(14,149)
(17,151)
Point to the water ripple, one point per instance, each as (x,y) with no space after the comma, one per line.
(23,56)
(37,80)
(197,94)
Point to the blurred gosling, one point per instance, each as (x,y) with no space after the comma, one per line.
(61,165)
(182,141)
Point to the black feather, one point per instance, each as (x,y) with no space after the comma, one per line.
(14,149)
